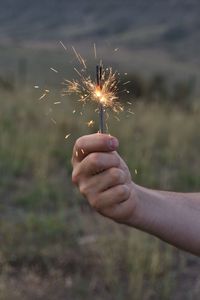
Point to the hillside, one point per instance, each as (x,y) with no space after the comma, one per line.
(154,35)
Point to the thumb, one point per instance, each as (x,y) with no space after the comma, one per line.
(93,143)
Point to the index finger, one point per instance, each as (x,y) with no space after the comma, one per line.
(93,143)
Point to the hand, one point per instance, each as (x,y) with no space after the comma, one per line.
(103,177)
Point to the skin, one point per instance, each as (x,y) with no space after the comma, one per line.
(105,180)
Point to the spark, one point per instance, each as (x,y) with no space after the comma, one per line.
(53,121)
(90,123)
(118,119)
(127,82)
(116,49)
(79,58)
(44,94)
(67,136)
(63,45)
(49,111)
(54,70)
(95,51)
(130,112)
(56,103)
(36,86)
(136,171)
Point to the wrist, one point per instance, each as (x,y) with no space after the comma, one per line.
(135,206)
(146,203)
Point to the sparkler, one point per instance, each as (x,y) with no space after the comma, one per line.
(99,92)
(103,89)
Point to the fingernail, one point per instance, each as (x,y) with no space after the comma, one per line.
(113,143)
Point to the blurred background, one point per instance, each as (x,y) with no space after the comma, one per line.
(52,245)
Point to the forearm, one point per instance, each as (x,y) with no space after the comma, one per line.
(173,217)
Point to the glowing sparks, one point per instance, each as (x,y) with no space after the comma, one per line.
(104,92)
(90,123)
(88,90)
(46,92)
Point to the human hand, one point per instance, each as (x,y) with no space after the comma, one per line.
(103,177)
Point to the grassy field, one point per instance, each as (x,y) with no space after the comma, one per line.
(53,246)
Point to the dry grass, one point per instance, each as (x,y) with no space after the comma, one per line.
(52,245)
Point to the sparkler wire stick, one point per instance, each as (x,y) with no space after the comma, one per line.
(101,108)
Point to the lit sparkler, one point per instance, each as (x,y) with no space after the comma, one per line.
(99,94)
(103,90)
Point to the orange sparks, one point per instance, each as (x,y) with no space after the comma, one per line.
(87,89)
(90,123)
(44,94)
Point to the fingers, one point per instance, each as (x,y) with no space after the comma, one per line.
(93,143)
(110,197)
(93,164)
(103,181)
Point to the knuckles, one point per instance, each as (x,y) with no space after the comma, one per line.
(95,160)
(75,176)
(123,191)
(95,202)
(116,175)
(79,143)
(83,188)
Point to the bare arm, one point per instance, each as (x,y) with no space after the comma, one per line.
(173,217)
(104,179)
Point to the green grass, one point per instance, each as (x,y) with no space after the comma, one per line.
(53,246)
